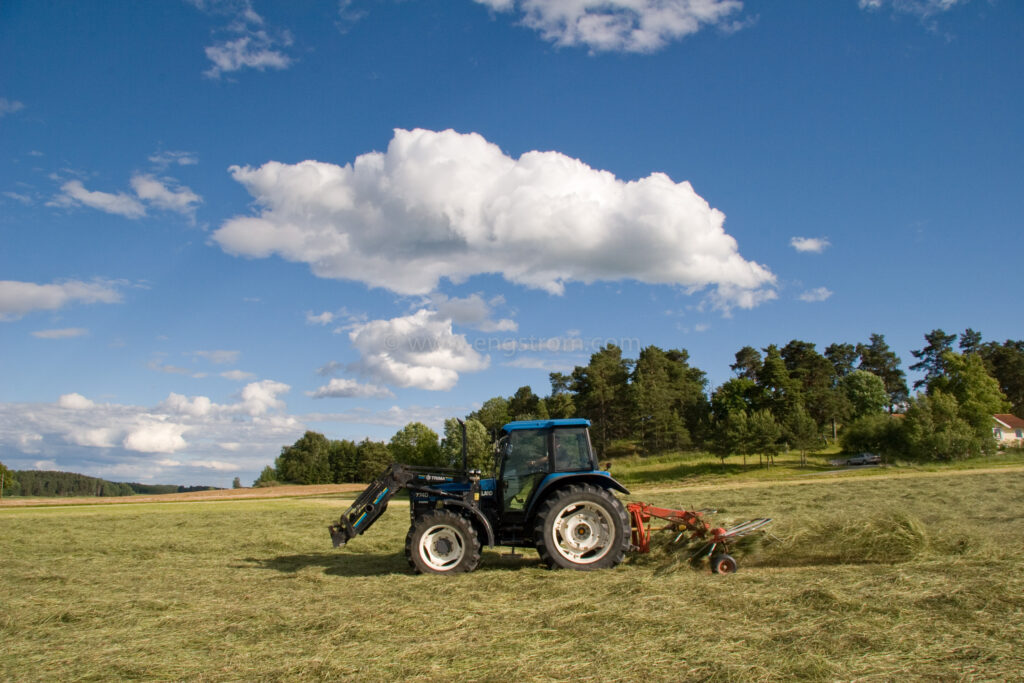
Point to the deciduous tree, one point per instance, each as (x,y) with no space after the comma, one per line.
(305,461)
(865,392)
(416,444)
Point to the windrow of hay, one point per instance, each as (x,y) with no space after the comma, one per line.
(886,537)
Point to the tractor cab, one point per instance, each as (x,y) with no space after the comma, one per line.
(531,454)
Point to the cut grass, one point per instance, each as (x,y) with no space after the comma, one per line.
(915,577)
(698,467)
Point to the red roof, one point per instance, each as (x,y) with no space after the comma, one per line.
(1011,421)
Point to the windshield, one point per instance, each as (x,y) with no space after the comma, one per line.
(526,452)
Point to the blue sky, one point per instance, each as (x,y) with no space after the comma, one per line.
(224,222)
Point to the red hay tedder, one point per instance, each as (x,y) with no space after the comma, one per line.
(689,525)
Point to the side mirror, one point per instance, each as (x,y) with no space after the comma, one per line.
(607,466)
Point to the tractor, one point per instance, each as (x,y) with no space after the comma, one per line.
(549,494)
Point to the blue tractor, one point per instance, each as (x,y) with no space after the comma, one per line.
(550,494)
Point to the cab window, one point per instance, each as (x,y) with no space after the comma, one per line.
(572,450)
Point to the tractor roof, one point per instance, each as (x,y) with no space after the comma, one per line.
(546,424)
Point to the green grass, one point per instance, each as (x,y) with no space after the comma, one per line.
(917,577)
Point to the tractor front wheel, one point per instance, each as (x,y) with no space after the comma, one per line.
(582,527)
(442,542)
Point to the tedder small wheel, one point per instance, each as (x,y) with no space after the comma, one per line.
(582,527)
(723,564)
(442,542)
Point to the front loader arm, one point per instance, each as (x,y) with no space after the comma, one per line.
(370,505)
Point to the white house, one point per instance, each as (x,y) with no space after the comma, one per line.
(1008,429)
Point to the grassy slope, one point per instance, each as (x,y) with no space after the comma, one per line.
(913,577)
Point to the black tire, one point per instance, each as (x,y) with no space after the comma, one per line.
(442,542)
(582,527)
(723,564)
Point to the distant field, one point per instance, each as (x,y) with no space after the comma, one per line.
(910,577)
(216,494)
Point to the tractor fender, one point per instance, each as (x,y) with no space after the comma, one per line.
(556,481)
(477,515)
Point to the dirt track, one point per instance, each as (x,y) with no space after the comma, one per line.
(220,494)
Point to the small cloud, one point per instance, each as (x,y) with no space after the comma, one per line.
(18,298)
(619,25)
(256,46)
(701,327)
(168,158)
(120,204)
(65,333)
(474,312)
(158,365)
(329,368)
(325,318)
(20,198)
(9,106)
(216,465)
(349,388)
(810,244)
(238,375)
(919,8)
(816,294)
(74,402)
(179,199)
(44,465)
(219,357)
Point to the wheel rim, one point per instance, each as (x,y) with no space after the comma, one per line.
(583,532)
(442,547)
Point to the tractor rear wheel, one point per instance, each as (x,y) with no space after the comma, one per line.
(442,542)
(582,527)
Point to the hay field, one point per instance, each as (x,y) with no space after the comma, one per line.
(909,578)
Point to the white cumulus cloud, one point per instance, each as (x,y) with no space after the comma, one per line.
(18,298)
(811,244)
(618,25)
(158,437)
(349,388)
(445,204)
(418,350)
(259,398)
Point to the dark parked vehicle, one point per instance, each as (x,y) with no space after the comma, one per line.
(864,459)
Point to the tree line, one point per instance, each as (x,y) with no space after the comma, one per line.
(37,483)
(789,397)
